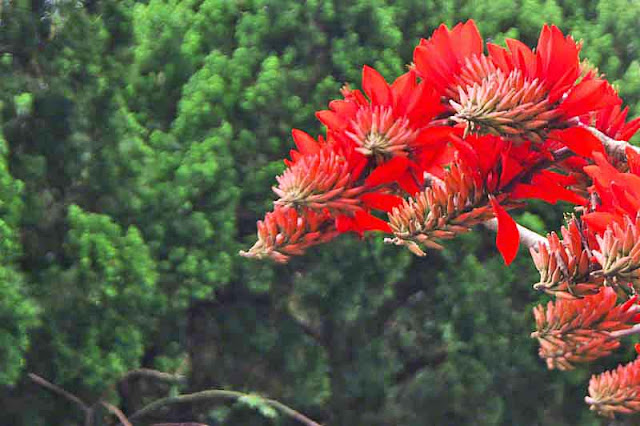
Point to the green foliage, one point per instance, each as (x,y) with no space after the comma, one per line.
(18,312)
(142,142)
(109,280)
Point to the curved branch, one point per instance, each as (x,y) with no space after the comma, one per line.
(155,374)
(219,394)
(117,412)
(57,389)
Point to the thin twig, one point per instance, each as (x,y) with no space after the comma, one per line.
(628,332)
(57,389)
(528,237)
(154,374)
(116,411)
(218,394)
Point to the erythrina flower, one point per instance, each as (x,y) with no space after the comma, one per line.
(448,207)
(616,391)
(324,180)
(618,253)
(287,232)
(565,265)
(392,120)
(581,330)
(512,92)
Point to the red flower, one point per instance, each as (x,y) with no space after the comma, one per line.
(581,330)
(285,232)
(441,58)
(616,391)
(322,179)
(391,122)
(513,92)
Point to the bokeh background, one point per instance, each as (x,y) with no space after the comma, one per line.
(139,142)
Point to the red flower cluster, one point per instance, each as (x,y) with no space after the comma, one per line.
(502,117)
(460,139)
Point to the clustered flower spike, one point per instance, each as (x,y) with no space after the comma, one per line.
(565,265)
(460,139)
(582,330)
(287,232)
(616,391)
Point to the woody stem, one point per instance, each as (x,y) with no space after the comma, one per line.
(628,332)
(613,147)
(528,237)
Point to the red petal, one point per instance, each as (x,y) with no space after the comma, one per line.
(523,57)
(630,129)
(633,159)
(376,87)
(500,57)
(433,136)
(367,222)
(345,223)
(508,238)
(598,221)
(305,143)
(345,108)
(402,88)
(388,172)
(470,42)
(408,183)
(549,192)
(378,201)
(510,169)
(332,120)
(579,140)
(587,96)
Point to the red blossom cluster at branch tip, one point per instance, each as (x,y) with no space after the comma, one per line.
(581,330)
(616,391)
(462,138)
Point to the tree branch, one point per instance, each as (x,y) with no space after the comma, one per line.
(154,374)
(613,147)
(413,366)
(116,411)
(218,394)
(58,390)
(627,332)
(528,237)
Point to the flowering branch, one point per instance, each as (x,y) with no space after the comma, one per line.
(461,139)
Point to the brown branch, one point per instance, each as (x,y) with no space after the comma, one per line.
(116,411)
(154,374)
(179,424)
(413,366)
(218,394)
(58,390)
(613,147)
